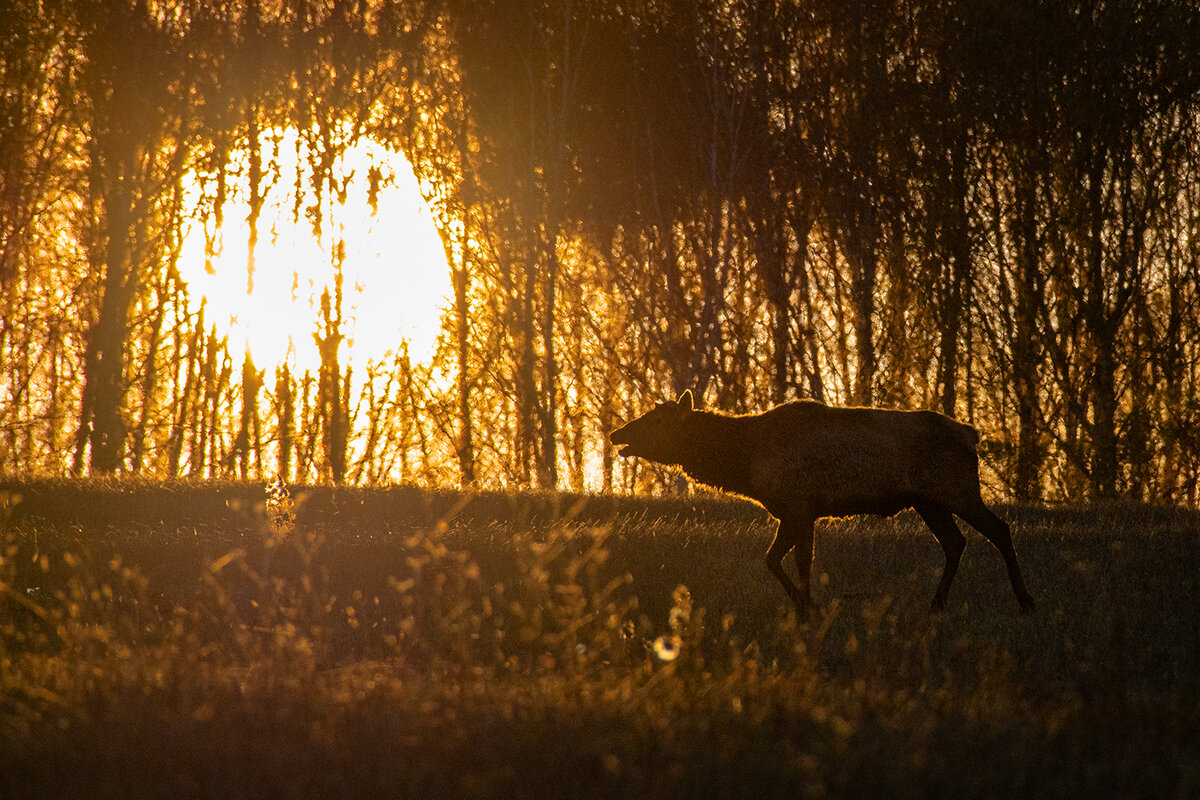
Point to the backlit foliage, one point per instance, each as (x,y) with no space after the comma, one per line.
(863,203)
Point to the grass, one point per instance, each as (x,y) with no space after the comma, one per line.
(214,641)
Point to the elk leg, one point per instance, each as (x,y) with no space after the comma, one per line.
(946,531)
(799,536)
(998,533)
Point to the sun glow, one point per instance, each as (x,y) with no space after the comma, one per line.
(395,276)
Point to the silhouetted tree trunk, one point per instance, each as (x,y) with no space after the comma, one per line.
(862,94)
(1027,294)
(330,397)
(548,403)
(864,269)
(248,438)
(102,415)
(149,376)
(957,278)
(285,413)
(460,279)
(181,423)
(126,54)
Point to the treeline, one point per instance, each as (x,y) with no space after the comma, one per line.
(988,209)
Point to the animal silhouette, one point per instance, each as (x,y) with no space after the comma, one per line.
(804,460)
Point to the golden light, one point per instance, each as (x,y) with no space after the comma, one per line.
(396,278)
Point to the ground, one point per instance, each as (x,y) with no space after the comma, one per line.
(215,640)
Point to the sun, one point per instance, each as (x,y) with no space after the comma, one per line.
(395,275)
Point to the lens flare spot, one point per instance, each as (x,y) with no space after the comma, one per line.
(667,648)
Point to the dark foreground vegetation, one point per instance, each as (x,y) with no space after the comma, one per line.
(224,641)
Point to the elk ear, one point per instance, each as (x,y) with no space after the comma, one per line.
(685,400)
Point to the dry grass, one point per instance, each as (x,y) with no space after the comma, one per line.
(209,642)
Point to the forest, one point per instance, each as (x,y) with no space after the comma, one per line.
(987,209)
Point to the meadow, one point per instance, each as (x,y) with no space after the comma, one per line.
(235,641)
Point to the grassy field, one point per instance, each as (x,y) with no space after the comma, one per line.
(220,641)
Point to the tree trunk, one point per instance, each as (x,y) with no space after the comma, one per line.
(149,379)
(548,460)
(285,403)
(460,277)
(958,279)
(1025,361)
(527,400)
(864,266)
(1102,329)
(104,381)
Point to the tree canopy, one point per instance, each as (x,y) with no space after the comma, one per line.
(986,209)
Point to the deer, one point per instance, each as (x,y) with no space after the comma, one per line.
(803,461)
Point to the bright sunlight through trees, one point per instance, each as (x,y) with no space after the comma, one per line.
(375,227)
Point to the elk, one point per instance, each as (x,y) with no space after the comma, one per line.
(804,460)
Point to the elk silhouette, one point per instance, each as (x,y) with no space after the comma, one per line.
(804,460)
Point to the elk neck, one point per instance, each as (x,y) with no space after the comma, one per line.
(718,451)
